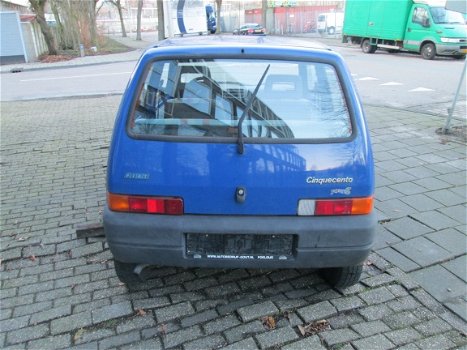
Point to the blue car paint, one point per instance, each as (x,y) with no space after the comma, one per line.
(206,174)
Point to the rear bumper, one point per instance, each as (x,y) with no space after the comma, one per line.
(160,240)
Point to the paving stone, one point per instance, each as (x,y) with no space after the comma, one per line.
(234,305)
(404,279)
(348,303)
(24,334)
(403,336)
(151,303)
(221,324)
(256,311)
(200,317)
(379,280)
(31,308)
(435,219)
(82,336)
(212,342)
(50,314)
(14,323)
(244,330)
(179,337)
(375,312)
(200,283)
(68,323)
(345,320)
(186,296)
(317,311)
(438,342)
(407,227)
(398,259)
(247,344)
(153,344)
(377,296)
(338,336)
(118,340)
(54,342)
(276,337)
(376,342)
(401,320)
(111,311)
(384,238)
(367,329)
(174,311)
(422,251)
(432,327)
(227,289)
(138,322)
(403,303)
(456,213)
(312,342)
(439,282)
(450,239)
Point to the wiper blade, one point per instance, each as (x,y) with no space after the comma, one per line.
(240,145)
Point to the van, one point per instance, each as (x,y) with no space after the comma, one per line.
(330,22)
(240,153)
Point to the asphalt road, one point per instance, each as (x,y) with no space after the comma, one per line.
(383,79)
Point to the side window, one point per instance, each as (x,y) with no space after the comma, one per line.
(419,15)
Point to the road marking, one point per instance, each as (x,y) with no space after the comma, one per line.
(368,78)
(76,76)
(420,89)
(391,83)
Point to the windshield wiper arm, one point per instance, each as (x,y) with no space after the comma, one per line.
(240,148)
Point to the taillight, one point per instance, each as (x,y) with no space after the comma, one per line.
(148,205)
(326,207)
(250,30)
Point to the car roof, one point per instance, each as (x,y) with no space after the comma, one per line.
(231,40)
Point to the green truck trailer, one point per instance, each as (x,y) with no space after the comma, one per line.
(425,27)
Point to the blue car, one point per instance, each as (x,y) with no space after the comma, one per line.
(248,152)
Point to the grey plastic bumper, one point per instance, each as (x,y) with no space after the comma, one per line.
(160,240)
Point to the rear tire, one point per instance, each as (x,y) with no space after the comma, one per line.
(125,272)
(367,47)
(331,30)
(428,51)
(342,277)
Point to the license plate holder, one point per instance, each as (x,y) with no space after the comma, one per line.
(240,246)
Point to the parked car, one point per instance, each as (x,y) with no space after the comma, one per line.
(250,29)
(240,153)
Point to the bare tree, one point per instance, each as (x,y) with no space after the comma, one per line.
(138,20)
(118,5)
(38,8)
(160,20)
(218,16)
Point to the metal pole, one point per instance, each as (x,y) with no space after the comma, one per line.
(454,102)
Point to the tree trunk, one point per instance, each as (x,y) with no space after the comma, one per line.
(120,14)
(138,20)
(218,16)
(160,20)
(92,22)
(38,7)
(264,12)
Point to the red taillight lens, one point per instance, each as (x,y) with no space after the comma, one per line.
(149,205)
(354,206)
(250,30)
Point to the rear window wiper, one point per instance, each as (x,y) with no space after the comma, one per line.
(240,146)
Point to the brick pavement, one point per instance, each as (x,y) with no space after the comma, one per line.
(58,291)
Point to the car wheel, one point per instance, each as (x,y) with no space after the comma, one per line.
(428,51)
(125,272)
(367,47)
(342,277)
(331,30)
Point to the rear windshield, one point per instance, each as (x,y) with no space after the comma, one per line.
(205,99)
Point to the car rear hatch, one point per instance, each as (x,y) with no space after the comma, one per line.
(303,138)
